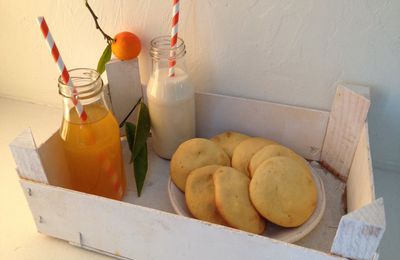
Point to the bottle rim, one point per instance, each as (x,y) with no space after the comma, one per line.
(87,82)
(160,48)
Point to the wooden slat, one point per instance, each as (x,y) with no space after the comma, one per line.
(348,115)
(53,160)
(124,86)
(23,149)
(137,232)
(301,129)
(155,194)
(360,184)
(360,232)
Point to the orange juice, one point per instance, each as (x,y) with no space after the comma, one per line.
(93,152)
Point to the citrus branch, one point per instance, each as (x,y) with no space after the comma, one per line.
(106,36)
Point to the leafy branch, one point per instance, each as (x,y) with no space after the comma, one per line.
(137,139)
(130,112)
(106,56)
(136,134)
(95,18)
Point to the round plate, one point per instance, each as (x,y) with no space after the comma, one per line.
(289,235)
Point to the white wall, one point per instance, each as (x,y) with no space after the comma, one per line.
(293,52)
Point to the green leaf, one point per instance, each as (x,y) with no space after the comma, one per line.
(130,130)
(137,139)
(105,57)
(142,130)
(140,166)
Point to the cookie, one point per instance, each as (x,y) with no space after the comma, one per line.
(193,154)
(233,202)
(245,150)
(283,191)
(272,151)
(229,140)
(200,195)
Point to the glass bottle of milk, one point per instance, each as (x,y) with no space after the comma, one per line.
(170,98)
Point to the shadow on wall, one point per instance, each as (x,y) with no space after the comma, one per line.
(384,124)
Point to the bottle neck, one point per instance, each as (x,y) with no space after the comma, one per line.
(88,90)
(164,56)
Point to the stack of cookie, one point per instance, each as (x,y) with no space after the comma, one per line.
(267,181)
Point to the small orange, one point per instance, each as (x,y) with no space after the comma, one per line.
(126,46)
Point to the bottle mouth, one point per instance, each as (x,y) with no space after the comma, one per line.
(87,83)
(160,48)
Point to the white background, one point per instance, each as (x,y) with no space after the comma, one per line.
(292,52)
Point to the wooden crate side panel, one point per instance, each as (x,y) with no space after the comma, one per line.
(301,129)
(346,121)
(137,232)
(360,183)
(360,232)
(29,165)
(54,164)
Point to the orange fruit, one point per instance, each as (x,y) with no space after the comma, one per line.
(126,46)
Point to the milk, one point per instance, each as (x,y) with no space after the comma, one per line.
(172,110)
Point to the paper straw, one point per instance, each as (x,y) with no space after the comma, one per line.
(174,37)
(61,66)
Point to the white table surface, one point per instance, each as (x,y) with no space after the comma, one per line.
(18,236)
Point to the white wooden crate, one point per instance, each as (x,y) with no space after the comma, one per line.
(147,228)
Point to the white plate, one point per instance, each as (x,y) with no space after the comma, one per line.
(289,235)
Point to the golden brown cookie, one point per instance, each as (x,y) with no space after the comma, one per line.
(245,150)
(233,202)
(283,191)
(272,151)
(200,195)
(229,140)
(193,154)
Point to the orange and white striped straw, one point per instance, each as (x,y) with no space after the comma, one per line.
(174,37)
(61,66)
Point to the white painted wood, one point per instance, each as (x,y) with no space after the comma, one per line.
(53,160)
(154,194)
(137,232)
(322,236)
(301,129)
(348,115)
(360,232)
(142,228)
(360,184)
(124,86)
(99,251)
(23,149)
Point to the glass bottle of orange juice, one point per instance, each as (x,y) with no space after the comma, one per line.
(92,148)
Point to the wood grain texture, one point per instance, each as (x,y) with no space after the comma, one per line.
(137,232)
(143,228)
(322,236)
(124,86)
(155,194)
(348,115)
(300,129)
(360,232)
(360,183)
(29,165)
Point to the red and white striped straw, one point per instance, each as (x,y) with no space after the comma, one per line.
(61,66)
(174,37)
